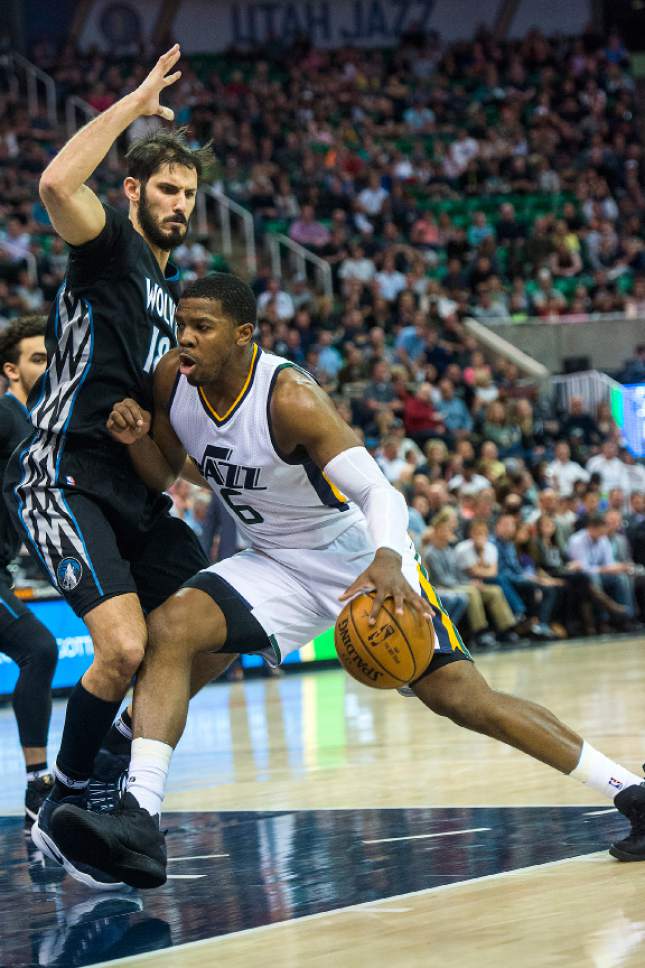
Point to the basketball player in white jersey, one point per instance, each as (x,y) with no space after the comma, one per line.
(322,523)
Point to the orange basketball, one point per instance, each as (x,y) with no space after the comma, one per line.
(389,654)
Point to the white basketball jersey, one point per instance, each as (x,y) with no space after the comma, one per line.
(276,501)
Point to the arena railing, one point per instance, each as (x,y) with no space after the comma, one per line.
(75,106)
(494,343)
(592,386)
(226,207)
(36,81)
(301,257)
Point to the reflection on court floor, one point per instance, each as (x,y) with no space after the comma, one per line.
(235,871)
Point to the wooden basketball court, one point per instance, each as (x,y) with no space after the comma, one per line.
(316,822)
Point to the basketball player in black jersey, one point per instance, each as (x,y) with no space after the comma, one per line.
(105,540)
(22,637)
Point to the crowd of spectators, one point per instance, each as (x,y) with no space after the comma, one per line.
(488,179)
(496,178)
(527,525)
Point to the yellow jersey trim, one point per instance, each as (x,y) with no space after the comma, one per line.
(240,397)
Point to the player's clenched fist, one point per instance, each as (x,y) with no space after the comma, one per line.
(128,422)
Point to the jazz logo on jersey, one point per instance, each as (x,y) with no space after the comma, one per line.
(69,573)
(217,467)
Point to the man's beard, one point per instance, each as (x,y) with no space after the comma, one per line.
(152,230)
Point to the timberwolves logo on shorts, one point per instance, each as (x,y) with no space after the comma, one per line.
(69,573)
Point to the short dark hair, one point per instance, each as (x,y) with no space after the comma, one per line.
(166,147)
(596,520)
(235,297)
(18,329)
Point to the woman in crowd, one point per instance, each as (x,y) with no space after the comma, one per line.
(580,594)
(498,427)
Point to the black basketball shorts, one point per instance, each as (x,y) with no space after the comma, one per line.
(99,535)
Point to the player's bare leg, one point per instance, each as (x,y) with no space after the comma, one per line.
(207,667)
(128,844)
(113,760)
(459,692)
(188,626)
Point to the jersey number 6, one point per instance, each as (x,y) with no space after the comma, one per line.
(244,512)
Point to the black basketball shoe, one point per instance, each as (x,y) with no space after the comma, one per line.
(126,845)
(108,782)
(36,793)
(46,840)
(631,803)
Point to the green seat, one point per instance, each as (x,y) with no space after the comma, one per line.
(277,226)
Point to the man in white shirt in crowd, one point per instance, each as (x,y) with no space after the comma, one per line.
(477,555)
(279,299)
(14,241)
(635,472)
(373,197)
(460,154)
(441,559)
(190,254)
(469,481)
(389,281)
(390,463)
(562,473)
(613,472)
(357,265)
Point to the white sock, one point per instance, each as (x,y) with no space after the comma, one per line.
(597,771)
(149,765)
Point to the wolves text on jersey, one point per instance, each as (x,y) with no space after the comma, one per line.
(161,303)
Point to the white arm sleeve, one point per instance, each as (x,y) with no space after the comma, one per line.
(358,476)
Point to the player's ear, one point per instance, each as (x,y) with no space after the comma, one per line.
(132,188)
(10,371)
(245,334)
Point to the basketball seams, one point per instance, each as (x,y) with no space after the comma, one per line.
(369,652)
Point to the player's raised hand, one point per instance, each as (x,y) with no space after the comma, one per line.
(128,422)
(159,78)
(385,578)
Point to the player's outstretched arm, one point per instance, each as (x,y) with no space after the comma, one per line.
(158,458)
(302,415)
(75,211)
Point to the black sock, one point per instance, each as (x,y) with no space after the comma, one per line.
(34,770)
(87,720)
(119,737)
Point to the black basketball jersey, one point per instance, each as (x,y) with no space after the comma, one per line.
(14,427)
(112,321)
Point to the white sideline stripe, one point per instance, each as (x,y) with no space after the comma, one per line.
(381,910)
(445,833)
(197,857)
(185,877)
(600,813)
(132,962)
(362,806)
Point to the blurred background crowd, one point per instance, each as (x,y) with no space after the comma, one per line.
(479,180)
